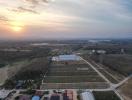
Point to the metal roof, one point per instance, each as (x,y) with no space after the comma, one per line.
(4,93)
(35,98)
(87,96)
(66,57)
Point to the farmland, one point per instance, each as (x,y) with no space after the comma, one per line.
(126,90)
(13,54)
(76,74)
(117,62)
(30,71)
(109,95)
(10,70)
(32,67)
(112,75)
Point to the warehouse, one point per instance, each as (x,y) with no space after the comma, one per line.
(71,57)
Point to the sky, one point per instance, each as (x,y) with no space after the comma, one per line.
(58,19)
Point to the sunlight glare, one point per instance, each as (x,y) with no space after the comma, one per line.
(17,26)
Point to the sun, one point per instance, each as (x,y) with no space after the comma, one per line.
(16,26)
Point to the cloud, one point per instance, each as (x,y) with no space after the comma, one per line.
(3,18)
(82,16)
(23,10)
(32,1)
(46,1)
(36,2)
(93,9)
(31,5)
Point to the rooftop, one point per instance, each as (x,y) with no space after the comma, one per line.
(87,96)
(71,57)
(4,93)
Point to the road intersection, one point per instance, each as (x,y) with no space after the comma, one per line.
(112,87)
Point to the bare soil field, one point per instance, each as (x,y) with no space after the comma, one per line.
(78,75)
(120,63)
(3,75)
(10,70)
(105,95)
(81,85)
(126,90)
(111,75)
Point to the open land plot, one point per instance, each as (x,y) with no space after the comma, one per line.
(69,62)
(34,70)
(117,75)
(120,63)
(73,79)
(105,95)
(81,85)
(72,73)
(3,75)
(10,70)
(72,76)
(126,90)
(112,75)
(109,76)
(29,74)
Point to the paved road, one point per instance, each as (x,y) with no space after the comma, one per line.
(122,82)
(112,86)
(45,74)
(117,93)
(96,70)
(106,71)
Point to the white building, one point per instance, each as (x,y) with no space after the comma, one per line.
(101,51)
(4,93)
(87,96)
(66,58)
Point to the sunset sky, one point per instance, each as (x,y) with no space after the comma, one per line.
(43,19)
